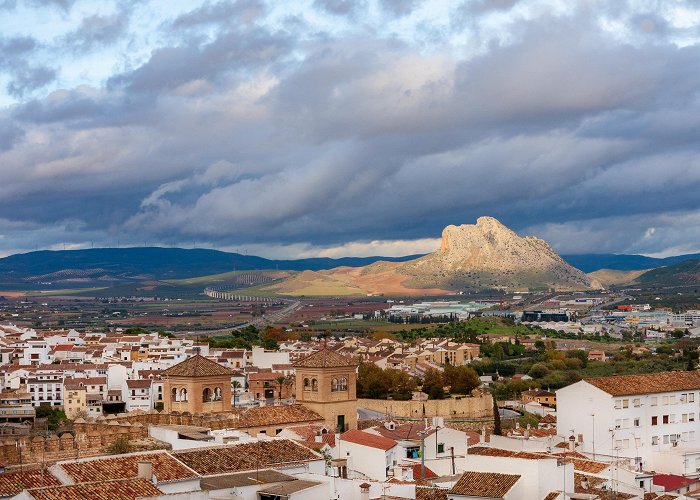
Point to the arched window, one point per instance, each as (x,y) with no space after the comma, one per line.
(175,394)
(206,395)
(314,385)
(343,384)
(217,394)
(183,394)
(334,385)
(307,385)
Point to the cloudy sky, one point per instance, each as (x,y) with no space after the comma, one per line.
(340,127)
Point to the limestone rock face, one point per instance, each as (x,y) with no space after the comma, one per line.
(489,255)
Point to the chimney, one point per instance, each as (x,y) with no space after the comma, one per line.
(145,470)
(364,491)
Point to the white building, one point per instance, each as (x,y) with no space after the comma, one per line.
(650,420)
(368,456)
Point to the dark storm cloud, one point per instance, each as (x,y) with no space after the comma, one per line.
(254,134)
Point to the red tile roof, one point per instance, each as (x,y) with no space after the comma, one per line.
(648,383)
(325,358)
(165,468)
(12,483)
(130,489)
(197,366)
(484,484)
(367,439)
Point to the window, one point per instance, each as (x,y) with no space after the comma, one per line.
(618,404)
(672,419)
(684,418)
(691,397)
(334,385)
(665,419)
(654,420)
(684,437)
(626,423)
(343,384)
(636,422)
(625,403)
(691,436)
(307,385)
(618,424)
(683,398)
(654,401)
(314,385)
(691,417)
(637,442)
(673,400)
(665,400)
(636,402)
(441,448)
(666,439)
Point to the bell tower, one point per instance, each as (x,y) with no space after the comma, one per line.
(326,383)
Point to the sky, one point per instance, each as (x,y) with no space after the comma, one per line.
(338,127)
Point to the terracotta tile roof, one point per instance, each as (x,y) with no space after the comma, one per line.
(429,474)
(138,384)
(648,383)
(548,419)
(325,358)
(103,490)
(264,416)
(246,456)
(484,484)
(408,431)
(165,468)
(431,493)
(196,366)
(498,452)
(367,439)
(552,495)
(12,483)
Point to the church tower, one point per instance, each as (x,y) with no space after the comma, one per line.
(326,383)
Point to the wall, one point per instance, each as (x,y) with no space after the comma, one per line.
(468,407)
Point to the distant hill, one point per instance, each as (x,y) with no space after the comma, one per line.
(485,255)
(682,273)
(139,263)
(621,262)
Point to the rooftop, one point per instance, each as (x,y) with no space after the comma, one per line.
(325,358)
(121,489)
(367,439)
(246,456)
(165,468)
(484,484)
(197,366)
(648,383)
(12,483)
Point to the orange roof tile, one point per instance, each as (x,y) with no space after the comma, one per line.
(197,366)
(325,358)
(12,483)
(130,489)
(165,468)
(367,439)
(648,383)
(484,484)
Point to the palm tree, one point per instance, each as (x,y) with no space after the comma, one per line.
(235,385)
(281,381)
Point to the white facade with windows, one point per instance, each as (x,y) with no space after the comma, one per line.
(647,429)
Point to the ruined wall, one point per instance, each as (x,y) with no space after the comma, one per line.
(480,406)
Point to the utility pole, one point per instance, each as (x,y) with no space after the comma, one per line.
(422,454)
(452,453)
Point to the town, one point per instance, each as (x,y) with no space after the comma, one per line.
(456,399)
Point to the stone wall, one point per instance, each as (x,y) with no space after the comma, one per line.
(479,406)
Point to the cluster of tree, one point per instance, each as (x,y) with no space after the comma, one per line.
(377,383)
(246,338)
(422,319)
(54,417)
(460,379)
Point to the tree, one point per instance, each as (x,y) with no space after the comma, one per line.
(496,418)
(54,417)
(432,378)
(461,379)
(120,446)
(280,381)
(235,385)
